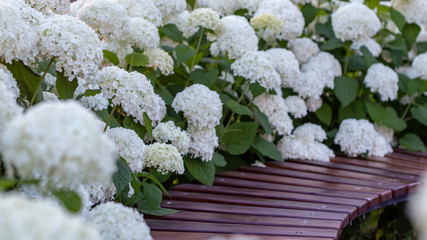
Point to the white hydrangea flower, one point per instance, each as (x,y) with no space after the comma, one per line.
(129,145)
(168,7)
(383,80)
(326,67)
(419,65)
(164,157)
(417,210)
(413,10)
(17,36)
(7,79)
(386,132)
(286,65)
(133,92)
(309,85)
(142,8)
(62,151)
(181,21)
(96,102)
(305,143)
(303,48)
(117,222)
(203,142)
(257,66)
(8,108)
(234,37)
(274,107)
(301,1)
(286,11)
(355,22)
(100,192)
(141,33)
(50,80)
(31,219)
(201,106)
(357,137)
(57,6)
(29,14)
(223,7)
(74,45)
(121,49)
(296,106)
(372,45)
(313,103)
(203,17)
(106,17)
(168,132)
(268,25)
(159,59)
(49,97)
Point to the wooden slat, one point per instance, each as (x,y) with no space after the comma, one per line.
(170,235)
(251,220)
(398,189)
(188,226)
(384,194)
(406,152)
(362,205)
(250,201)
(373,199)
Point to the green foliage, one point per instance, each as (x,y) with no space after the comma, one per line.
(152,195)
(123,176)
(137,59)
(238,108)
(267,149)
(324,114)
(219,160)
(346,89)
(385,116)
(69,199)
(112,57)
(309,12)
(238,137)
(412,142)
(172,32)
(27,80)
(204,77)
(65,87)
(204,172)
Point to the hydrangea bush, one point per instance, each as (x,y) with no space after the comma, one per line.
(121,99)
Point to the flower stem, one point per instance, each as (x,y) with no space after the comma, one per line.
(40,82)
(197,49)
(109,117)
(406,110)
(131,62)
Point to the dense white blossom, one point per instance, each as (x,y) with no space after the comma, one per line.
(285,10)
(8,108)
(164,157)
(106,17)
(203,17)
(168,132)
(386,132)
(372,45)
(310,132)
(181,21)
(129,145)
(268,25)
(57,6)
(274,107)
(62,151)
(141,33)
(50,80)
(303,48)
(419,65)
(257,66)
(96,102)
(415,11)
(355,22)
(203,142)
(7,79)
(133,92)
(142,8)
(313,103)
(309,85)
(50,97)
(234,37)
(223,7)
(417,210)
(357,137)
(168,7)
(29,14)
(201,106)
(74,45)
(30,219)
(325,66)
(121,49)
(383,80)
(286,65)
(117,222)
(296,106)
(159,59)
(100,192)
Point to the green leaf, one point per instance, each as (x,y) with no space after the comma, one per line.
(218,160)
(183,53)
(410,33)
(159,178)
(152,195)
(103,114)
(238,137)
(164,93)
(346,89)
(148,125)
(397,44)
(137,59)
(356,63)
(355,110)
(397,56)
(7,183)
(191,3)
(325,114)
(172,32)
(412,142)
(309,12)
(414,86)
(112,57)
(375,111)
(157,211)
(64,87)
(123,176)
(398,19)
(204,172)
(204,77)
(265,123)
(332,44)
(403,82)
(391,120)
(421,47)
(368,57)
(325,29)
(27,80)
(256,89)
(238,108)
(69,199)
(267,149)
(420,113)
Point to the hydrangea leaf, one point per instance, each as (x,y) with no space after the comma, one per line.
(152,195)
(266,148)
(204,172)
(219,160)
(204,77)
(368,57)
(65,87)
(123,176)
(27,80)
(420,113)
(375,111)
(172,32)
(183,53)
(137,59)
(421,47)
(148,125)
(7,183)
(403,82)
(414,86)
(325,114)
(355,110)
(391,120)
(309,12)
(412,142)
(325,29)
(112,57)
(238,108)
(238,137)
(346,89)
(332,44)
(410,33)
(157,211)
(398,19)
(69,199)
(104,114)
(263,120)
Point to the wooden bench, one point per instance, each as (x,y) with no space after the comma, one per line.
(295,199)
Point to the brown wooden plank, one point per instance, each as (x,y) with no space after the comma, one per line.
(398,189)
(408,157)
(250,220)
(405,163)
(406,152)
(170,235)
(189,226)
(254,211)
(384,194)
(362,205)
(373,199)
(250,201)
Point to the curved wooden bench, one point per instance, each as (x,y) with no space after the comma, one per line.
(295,199)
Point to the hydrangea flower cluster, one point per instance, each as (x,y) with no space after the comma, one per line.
(372,45)
(383,80)
(7,79)
(274,107)
(143,9)
(268,25)
(168,7)
(141,33)
(159,59)
(414,10)
(8,108)
(286,65)
(168,132)
(96,102)
(203,17)
(419,64)
(57,6)
(164,157)
(296,106)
